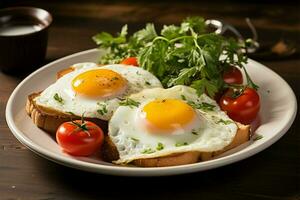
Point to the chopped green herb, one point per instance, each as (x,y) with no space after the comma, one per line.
(179,144)
(129,102)
(147,83)
(226,122)
(134,139)
(103,110)
(194,132)
(258,137)
(71,113)
(202,106)
(148,151)
(183,97)
(206,106)
(160,146)
(58,98)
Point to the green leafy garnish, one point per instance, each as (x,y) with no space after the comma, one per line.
(185,54)
(202,106)
(58,98)
(179,144)
(129,102)
(103,110)
(160,146)
(183,97)
(114,78)
(147,83)
(148,151)
(225,122)
(71,113)
(258,137)
(134,139)
(194,132)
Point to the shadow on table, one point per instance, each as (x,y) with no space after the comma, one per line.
(234,181)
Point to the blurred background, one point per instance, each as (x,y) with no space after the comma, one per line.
(76,22)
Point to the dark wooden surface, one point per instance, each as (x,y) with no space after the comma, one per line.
(271,174)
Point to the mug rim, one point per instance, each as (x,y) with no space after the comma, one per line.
(46,20)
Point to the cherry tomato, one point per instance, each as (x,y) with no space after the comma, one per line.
(233,76)
(79,138)
(130,61)
(243,108)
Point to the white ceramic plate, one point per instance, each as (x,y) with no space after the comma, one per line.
(278,110)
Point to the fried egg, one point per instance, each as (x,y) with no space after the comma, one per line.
(95,91)
(158,122)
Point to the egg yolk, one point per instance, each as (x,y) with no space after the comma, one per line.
(99,83)
(167,115)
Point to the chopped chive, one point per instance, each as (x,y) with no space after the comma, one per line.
(148,151)
(202,106)
(179,144)
(103,110)
(134,139)
(258,137)
(160,146)
(226,122)
(194,132)
(183,97)
(129,102)
(58,98)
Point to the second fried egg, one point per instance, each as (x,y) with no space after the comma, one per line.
(158,122)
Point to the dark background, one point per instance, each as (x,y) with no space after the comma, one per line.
(271,174)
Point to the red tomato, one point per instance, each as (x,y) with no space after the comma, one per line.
(243,108)
(79,138)
(233,76)
(130,61)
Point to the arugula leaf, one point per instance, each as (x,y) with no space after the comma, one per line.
(147,34)
(203,85)
(106,39)
(183,77)
(197,24)
(170,32)
(181,54)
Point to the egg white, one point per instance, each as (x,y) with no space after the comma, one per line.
(132,140)
(76,104)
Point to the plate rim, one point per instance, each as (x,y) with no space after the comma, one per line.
(138,171)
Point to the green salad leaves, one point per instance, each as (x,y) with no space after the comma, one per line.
(180,55)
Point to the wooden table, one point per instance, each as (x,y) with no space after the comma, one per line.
(271,174)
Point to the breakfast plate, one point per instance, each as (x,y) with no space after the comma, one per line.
(277,113)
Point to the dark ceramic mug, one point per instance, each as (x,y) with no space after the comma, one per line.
(23,38)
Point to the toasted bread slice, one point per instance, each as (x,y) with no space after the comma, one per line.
(49,119)
(242,136)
